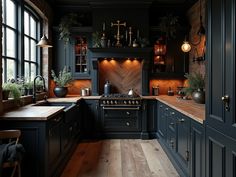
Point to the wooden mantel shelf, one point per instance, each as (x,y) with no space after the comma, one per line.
(137,52)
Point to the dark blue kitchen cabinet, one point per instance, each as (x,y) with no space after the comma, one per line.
(162,112)
(220,115)
(149,114)
(221,154)
(183,141)
(75,54)
(91,123)
(50,143)
(221,67)
(197,156)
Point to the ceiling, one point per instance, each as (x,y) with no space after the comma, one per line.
(183,3)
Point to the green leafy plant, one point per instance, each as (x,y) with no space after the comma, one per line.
(14,88)
(63,79)
(195,81)
(169,25)
(96,37)
(65,25)
(29,85)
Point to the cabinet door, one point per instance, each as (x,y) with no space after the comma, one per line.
(221,66)
(197,149)
(221,154)
(183,140)
(80,55)
(91,122)
(152,114)
(54,141)
(161,120)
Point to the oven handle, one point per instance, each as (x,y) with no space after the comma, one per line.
(114,108)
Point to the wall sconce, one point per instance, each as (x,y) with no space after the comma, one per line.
(186,47)
(44,43)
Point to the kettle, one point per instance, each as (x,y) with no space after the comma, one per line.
(132,93)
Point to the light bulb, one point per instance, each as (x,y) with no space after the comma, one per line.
(186,47)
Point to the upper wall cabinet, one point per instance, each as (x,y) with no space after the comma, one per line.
(75,54)
(221,66)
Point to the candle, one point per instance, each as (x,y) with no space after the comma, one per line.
(103,26)
(137,34)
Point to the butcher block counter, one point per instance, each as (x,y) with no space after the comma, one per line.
(31,112)
(187,107)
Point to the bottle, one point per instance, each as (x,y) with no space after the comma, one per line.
(107,88)
(170,92)
(155,90)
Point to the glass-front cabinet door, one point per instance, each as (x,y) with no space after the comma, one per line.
(80,56)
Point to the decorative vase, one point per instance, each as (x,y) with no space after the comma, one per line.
(199,96)
(60,91)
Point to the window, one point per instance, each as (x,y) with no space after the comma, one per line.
(20,56)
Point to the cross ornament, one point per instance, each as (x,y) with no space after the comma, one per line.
(118,24)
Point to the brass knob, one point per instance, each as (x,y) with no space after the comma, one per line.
(127,123)
(225,98)
(181,120)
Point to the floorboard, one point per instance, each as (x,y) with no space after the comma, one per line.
(119,158)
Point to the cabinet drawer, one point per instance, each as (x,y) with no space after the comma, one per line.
(131,124)
(120,113)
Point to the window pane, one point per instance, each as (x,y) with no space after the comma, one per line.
(11,41)
(26,23)
(3,70)
(26,39)
(33,70)
(26,74)
(11,13)
(33,50)
(3,41)
(3,11)
(32,28)
(11,69)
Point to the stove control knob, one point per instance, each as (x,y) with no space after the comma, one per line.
(104,102)
(111,102)
(137,102)
(133,102)
(125,102)
(108,102)
(115,102)
(129,102)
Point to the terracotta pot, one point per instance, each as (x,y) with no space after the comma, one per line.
(60,91)
(199,96)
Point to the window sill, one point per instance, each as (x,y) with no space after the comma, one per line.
(24,100)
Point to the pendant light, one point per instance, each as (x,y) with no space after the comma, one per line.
(186,47)
(44,43)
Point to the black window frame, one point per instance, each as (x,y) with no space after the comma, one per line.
(19,58)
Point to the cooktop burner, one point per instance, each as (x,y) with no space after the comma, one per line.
(120,95)
(118,99)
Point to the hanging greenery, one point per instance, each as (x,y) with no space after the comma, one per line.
(169,25)
(66,23)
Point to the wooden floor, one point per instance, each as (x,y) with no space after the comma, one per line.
(119,158)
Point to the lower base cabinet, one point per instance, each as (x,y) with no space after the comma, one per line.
(183,139)
(221,154)
(48,144)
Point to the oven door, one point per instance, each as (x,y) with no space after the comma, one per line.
(121,118)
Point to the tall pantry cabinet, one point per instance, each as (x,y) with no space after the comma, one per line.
(220,115)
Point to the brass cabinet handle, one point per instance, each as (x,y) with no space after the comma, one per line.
(226,101)
(181,120)
(127,123)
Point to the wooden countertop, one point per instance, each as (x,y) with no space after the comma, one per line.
(32,113)
(73,98)
(187,107)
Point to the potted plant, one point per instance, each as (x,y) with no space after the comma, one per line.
(29,87)
(65,26)
(11,89)
(196,82)
(62,80)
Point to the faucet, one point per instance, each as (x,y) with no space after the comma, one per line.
(34,87)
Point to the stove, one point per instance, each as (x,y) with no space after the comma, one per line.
(117,99)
